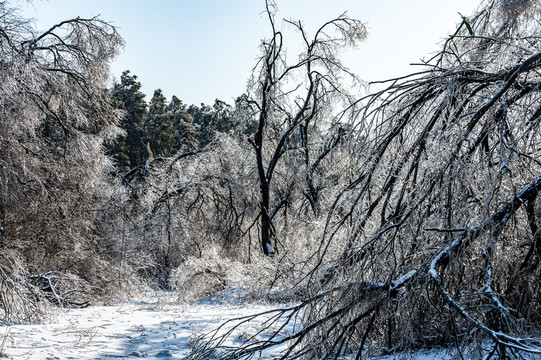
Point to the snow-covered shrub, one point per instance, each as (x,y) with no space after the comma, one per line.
(55,116)
(20,301)
(264,279)
(198,278)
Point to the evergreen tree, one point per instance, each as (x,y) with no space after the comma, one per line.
(158,128)
(129,151)
(210,120)
(221,120)
(186,136)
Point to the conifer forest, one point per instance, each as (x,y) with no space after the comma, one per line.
(401,219)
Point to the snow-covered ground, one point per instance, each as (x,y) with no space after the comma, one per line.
(154,328)
(157,328)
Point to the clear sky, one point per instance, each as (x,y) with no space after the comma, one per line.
(200,50)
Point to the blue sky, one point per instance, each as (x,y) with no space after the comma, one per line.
(200,50)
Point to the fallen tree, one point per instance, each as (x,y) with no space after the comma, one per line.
(434,241)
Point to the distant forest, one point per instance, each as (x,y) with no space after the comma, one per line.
(167,127)
(403,219)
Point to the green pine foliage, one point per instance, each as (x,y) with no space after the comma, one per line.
(129,150)
(167,127)
(211,120)
(158,130)
(186,136)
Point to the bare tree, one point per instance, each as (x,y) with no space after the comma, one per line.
(288,98)
(190,204)
(55,115)
(435,239)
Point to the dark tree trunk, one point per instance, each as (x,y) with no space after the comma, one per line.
(264,180)
(1,224)
(266,226)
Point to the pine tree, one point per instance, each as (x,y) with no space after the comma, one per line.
(211,120)
(158,128)
(129,151)
(185,134)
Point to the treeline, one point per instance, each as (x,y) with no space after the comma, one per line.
(166,126)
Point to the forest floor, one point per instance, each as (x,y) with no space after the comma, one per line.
(156,327)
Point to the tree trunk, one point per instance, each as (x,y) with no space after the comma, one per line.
(1,224)
(266,226)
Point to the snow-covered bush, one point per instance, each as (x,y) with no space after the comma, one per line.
(231,281)
(20,301)
(55,116)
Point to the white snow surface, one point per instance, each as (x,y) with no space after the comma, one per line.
(157,327)
(154,328)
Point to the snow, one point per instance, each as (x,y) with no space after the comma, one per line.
(399,282)
(270,250)
(154,329)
